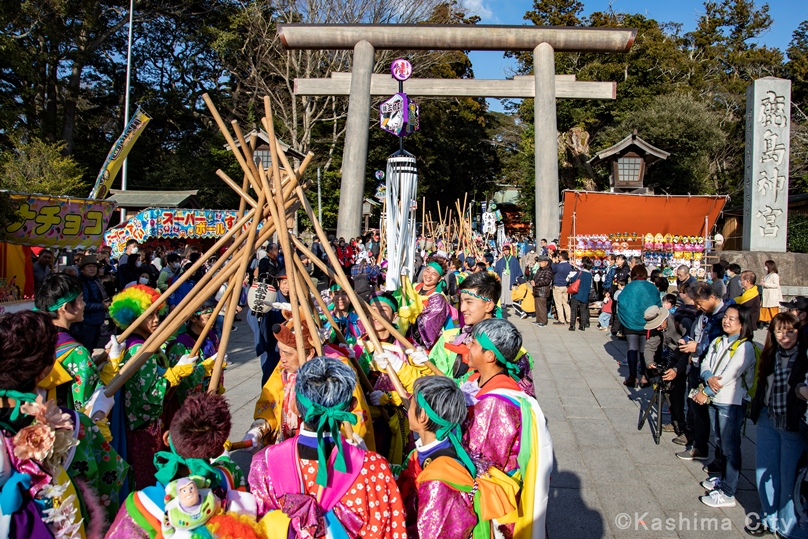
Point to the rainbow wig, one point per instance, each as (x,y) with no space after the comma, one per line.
(127,306)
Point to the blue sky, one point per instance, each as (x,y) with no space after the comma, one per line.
(787,15)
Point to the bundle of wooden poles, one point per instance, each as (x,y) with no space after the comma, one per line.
(447,228)
(279,193)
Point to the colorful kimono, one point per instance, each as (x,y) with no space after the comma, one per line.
(274,406)
(83,488)
(364,501)
(349,325)
(451,355)
(145,395)
(443,500)
(506,429)
(436,316)
(78,362)
(141,517)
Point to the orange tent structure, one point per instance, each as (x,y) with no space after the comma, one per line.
(591,213)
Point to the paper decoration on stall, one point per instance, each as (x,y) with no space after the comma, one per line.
(170,223)
(59,222)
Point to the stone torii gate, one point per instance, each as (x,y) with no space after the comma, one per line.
(544,87)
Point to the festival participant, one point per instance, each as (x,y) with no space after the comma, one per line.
(301,487)
(52,455)
(276,419)
(145,392)
(437,313)
(344,315)
(442,491)
(479,295)
(496,433)
(508,271)
(183,345)
(196,457)
(60,298)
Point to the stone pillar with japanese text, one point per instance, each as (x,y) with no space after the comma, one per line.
(765,201)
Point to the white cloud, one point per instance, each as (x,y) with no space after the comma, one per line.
(478,7)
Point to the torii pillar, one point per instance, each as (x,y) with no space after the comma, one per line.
(366,39)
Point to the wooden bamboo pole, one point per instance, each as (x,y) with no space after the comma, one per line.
(208,326)
(320,301)
(230,313)
(245,198)
(375,315)
(304,305)
(351,294)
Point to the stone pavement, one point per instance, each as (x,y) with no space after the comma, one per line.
(610,480)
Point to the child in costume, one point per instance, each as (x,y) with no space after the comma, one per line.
(444,497)
(479,295)
(57,473)
(275,417)
(199,491)
(183,344)
(302,487)
(437,313)
(506,428)
(145,393)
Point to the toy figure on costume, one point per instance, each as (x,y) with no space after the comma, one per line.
(317,482)
(275,417)
(479,295)
(495,432)
(145,393)
(445,494)
(437,313)
(184,343)
(198,491)
(508,270)
(54,463)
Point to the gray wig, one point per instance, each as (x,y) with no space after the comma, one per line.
(444,396)
(325,381)
(502,334)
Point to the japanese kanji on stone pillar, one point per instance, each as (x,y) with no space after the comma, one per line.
(765,202)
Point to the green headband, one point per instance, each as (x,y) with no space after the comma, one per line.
(19,399)
(382,299)
(437,267)
(168,463)
(472,294)
(485,342)
(64,300)
(329,419)
(448,430)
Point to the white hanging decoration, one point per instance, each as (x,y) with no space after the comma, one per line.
(402,190)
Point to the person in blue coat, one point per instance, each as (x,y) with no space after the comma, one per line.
(96,302)
(579,302)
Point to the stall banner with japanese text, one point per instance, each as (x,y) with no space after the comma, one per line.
(118,154)
(59,222)
(170,223)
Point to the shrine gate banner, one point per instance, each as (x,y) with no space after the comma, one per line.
(170,223)
(59,222)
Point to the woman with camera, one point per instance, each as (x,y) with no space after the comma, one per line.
(728,359)
(778,408)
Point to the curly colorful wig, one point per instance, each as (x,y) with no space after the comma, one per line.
(127,306)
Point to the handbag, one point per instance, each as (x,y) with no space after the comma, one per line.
(575,285)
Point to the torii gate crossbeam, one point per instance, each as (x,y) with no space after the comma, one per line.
(543,41)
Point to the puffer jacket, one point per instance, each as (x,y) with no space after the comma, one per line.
(543,282)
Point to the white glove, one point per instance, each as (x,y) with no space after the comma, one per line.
(99,405)
(255,435)
(187,360)
(418,356)
(351,353)
(470,390)
(374,396)
(114,348)
(282,306)
(325,333)
(383,359)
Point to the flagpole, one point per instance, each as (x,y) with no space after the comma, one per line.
(126,99)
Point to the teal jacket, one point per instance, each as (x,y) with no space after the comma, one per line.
(634,299)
